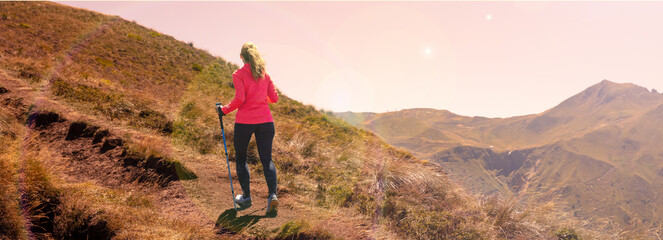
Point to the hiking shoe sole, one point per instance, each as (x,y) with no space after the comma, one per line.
(273,206)
(242,202)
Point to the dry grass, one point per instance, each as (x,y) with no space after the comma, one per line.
(300,229)
(55,208)
(125,214)
(139,80)
(153,153)
(29,198)
(11,223)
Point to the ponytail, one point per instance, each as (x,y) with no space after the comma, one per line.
(252,57)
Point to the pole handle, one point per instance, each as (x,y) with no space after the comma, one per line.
(218,112)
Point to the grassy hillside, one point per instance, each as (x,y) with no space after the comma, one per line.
(353,118)
(109,131)
(599,152)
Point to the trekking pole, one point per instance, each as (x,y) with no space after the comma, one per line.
(225,147)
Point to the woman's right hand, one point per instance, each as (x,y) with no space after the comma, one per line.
(219,110)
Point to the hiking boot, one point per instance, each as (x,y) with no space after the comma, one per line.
(243,202)
(272,204)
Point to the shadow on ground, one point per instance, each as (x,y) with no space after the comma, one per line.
(228,222)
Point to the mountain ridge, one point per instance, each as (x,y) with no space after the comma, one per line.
(592,150)
(606,91)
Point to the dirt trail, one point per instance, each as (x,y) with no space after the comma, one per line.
(211,192)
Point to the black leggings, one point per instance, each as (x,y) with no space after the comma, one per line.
(264,135)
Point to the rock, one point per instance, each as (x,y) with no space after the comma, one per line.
(110,144)
(100,135)
(40,119)
(80,129)
(75,130)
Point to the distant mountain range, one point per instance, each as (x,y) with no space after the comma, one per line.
(599,153)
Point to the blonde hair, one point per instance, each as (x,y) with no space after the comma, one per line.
(251,56)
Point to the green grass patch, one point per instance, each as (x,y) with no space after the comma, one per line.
(365,203)
(292,229)
(104,62)
(153,119)
(340,194)
(113,105)
(134,36)
(196,67)
(196,137)
(104,81)
(198,125)
(567,234)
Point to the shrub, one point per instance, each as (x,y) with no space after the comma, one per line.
(196,67)
(134,36)
(198,138)
(76,222)
(190,110)
(365,203)
(42,197)
(10,222)
(104,81)
(289,164)
(426,224)
(340,194)
(31,73)
(567,234)
(292,229)
(309,149)
(104,62)
(318,234)
(155,120)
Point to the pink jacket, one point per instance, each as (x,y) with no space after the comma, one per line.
(252,97)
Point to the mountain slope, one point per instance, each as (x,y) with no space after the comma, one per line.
(599,152)
(110,132)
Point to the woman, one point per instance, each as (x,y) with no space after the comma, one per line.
(254,89)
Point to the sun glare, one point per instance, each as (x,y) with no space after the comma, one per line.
(428,51)
(489,17)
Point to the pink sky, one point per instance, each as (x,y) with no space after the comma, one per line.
(494,59)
